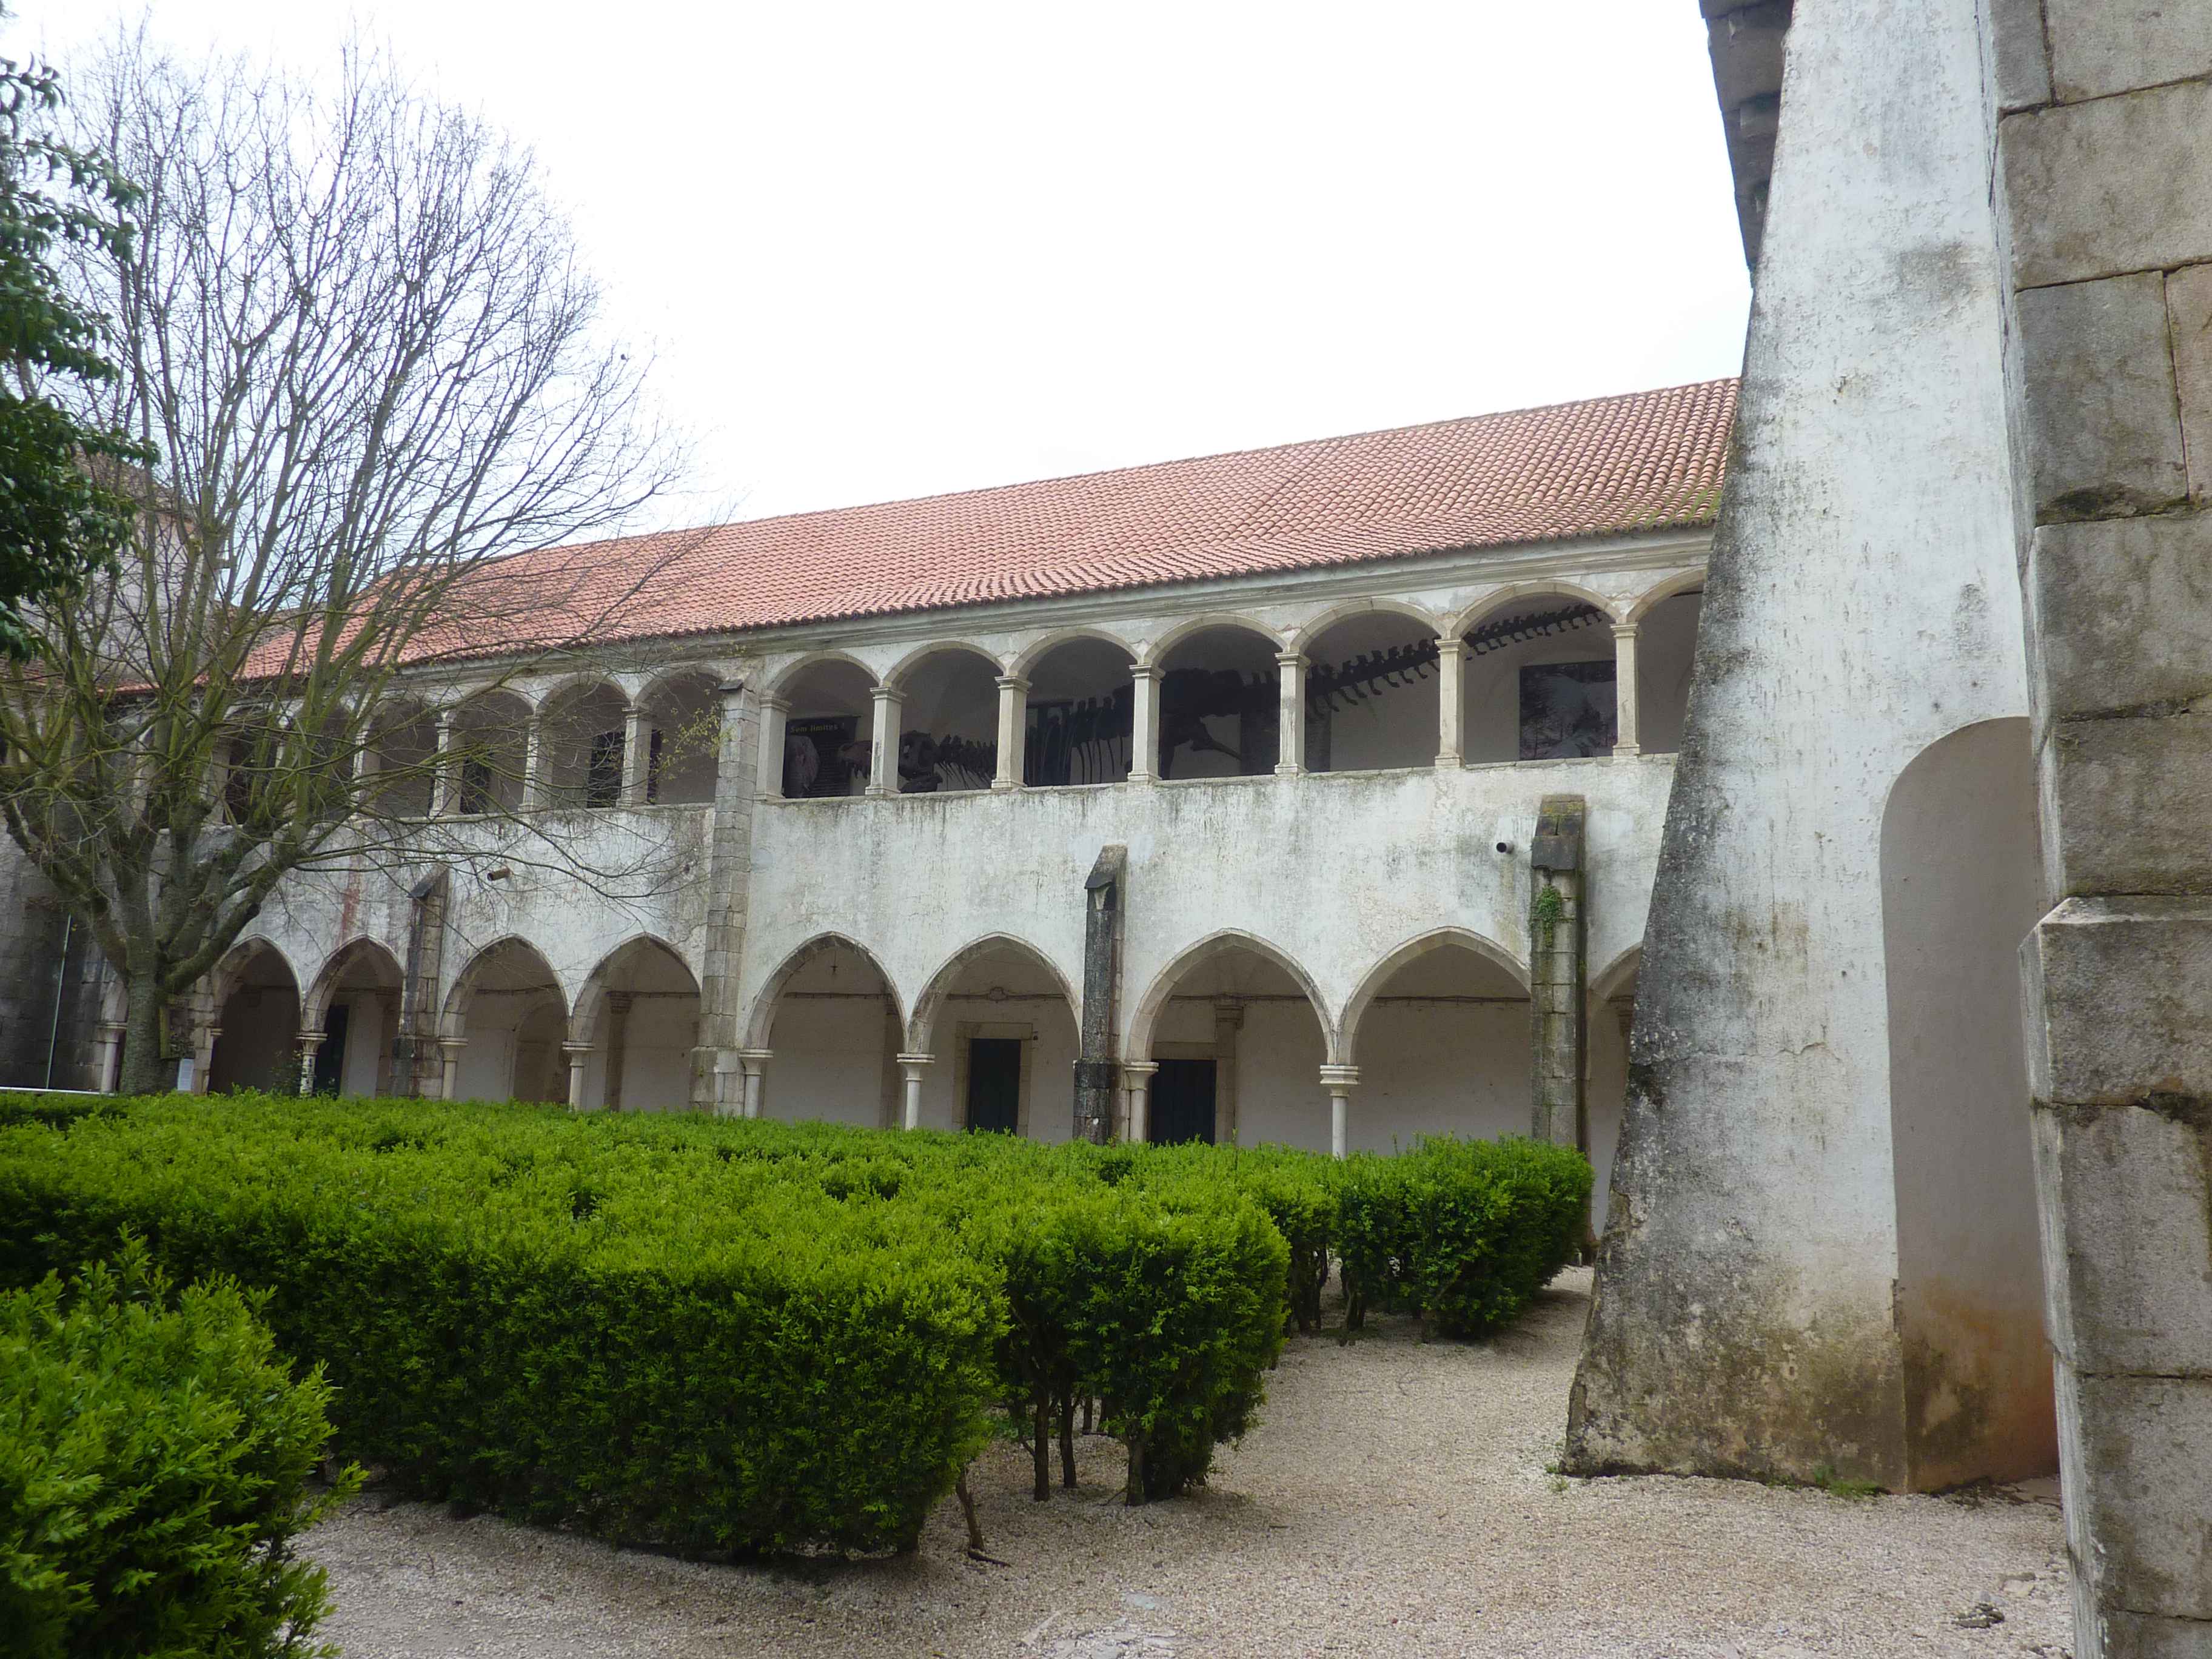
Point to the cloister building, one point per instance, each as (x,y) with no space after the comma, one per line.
(1213,786)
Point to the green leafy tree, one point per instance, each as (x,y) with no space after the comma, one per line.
(58,524)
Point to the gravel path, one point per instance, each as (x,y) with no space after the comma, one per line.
(1394,1501)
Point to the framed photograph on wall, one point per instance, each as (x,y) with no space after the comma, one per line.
(1567,710)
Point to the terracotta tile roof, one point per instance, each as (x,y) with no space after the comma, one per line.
(1607,466)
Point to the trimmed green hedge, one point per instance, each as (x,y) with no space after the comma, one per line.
(714,1335)
(155,1455)
(1463,1233)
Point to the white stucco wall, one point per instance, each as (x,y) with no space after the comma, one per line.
(1863,603)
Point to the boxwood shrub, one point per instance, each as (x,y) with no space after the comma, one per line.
(719,1336)
(623,1333)
(155,1456)
(1463,1233)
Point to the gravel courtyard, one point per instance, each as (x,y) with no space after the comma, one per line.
(1394,1501)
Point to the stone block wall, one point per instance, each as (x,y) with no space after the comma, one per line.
(2105,146)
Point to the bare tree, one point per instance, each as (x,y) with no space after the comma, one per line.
(355,333)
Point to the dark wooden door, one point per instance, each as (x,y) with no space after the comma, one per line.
(994,1083)
(330,1059)
(1183,1102)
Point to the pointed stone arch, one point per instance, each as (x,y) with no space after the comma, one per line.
(921,1025)
(1144,1018)
(513,1052)
(761,1018)
(636,1022)
(356,951)
(1420,945)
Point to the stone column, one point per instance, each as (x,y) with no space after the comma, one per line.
(1137,1083)
(533,763)
(755,1063)
(1013,730)
(1451,703)
(768,769)
(911,1067)
(1291,742)
(1102,979)
(110,1055)
(883,750)
(1228,1020)
(205,1035)
(1144,725)
(738,788)
(445,784)
(637,755)
(1557,1005)
(311,1044)
(449,1065)
(619,1005)
(579,1055)
(1340,1081)
(1625,744)
(2103,113)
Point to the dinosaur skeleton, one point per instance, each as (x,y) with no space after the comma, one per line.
(1511,630)
(1087,740)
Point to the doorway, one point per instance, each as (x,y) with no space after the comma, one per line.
(1183,1102)
(994,1085)
(330,1059)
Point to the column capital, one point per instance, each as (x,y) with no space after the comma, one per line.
(751,1059)
(1292,659)
(1012,683)
(1228,1011)
(1625,630)
(310,1040)
(1144,671)
(1446,642)
(1139,1068)
(916,1062)
(886,691)
(1338,1078)
(452,1045)
(578,1052)
(769,699)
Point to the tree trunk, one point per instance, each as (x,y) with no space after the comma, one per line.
(140,1072)
(1068,1443)
(1041,1450)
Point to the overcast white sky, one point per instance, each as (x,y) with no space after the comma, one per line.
(886,250)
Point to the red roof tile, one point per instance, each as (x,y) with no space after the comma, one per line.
(1645,461)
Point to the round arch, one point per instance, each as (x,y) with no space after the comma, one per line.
(896,676)
(921,1025)
(571,688)
(761,1018)
(1151,653)
(1686,581)
(1044,645)
(452,1021)
(1499,599)
(1305,633)
(1146,1015)
(360,949)
(780,684)
(689,677)
(1382,973)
